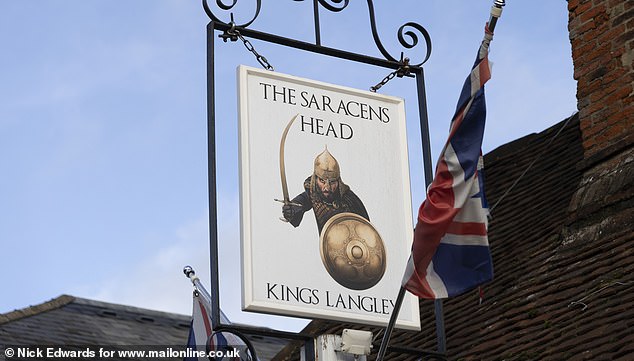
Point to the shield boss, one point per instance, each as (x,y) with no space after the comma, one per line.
(352,251)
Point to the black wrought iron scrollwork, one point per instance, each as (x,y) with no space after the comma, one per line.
(222,5)
(334,8)
(225,7)
(413,38)
(409,34)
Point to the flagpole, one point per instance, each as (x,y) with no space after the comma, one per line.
(191,274)
(496,12)
(391,323)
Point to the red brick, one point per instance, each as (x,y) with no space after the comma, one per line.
(611,134)
(619,94)
(598,121)
(610,112)
(611,93)
(600,70)
(588,144)
(594,60)
(597,12)
(573,23)
(614,32)
(586,26)
(607,90)
(585,89)
(598,117)
(581,50)
(582,7)
(607,60)
(602,20)
(585,124)
(627,36)
(590,36)
(597,128)
(621,116)
(595,107)
(582,104)
(618,51)
(581,69)
(577,42)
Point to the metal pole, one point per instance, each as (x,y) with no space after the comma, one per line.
(496,12)
(440,326)
(427,166)
(211,169)
(424,126)
(391,323)
(191,274)
(316,17)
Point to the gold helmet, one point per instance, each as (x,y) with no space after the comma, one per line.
(326,166)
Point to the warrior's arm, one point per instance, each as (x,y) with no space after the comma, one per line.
(357,205)
(295,213)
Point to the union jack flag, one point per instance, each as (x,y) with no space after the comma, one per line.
(450,253)
(202,329)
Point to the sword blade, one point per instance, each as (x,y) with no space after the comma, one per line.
(282,167)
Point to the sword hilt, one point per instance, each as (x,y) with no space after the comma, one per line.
(286,203)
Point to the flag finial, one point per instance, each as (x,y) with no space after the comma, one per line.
(496,12)
(188,270)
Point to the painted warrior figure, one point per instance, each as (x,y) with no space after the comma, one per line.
(325,193)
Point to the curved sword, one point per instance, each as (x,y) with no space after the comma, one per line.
(286,200)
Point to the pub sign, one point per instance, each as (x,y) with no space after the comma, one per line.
(326,215)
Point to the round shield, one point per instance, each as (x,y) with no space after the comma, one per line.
(352,251)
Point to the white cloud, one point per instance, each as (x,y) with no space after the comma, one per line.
(157,281)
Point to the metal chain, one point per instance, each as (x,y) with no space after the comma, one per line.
(402,71)
(233,34)
(389,77)
(261,59)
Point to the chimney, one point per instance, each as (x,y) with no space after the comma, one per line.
(602,38)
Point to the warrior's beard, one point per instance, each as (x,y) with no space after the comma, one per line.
(331,198)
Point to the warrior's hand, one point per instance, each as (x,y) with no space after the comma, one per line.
(289,211)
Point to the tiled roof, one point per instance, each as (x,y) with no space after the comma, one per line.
(79,321)
(68,320)
(557,294)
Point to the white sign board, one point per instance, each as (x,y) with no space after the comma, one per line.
(326,215)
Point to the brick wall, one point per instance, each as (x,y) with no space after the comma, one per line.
(602,38)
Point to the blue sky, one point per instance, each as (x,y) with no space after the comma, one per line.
(103,181)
